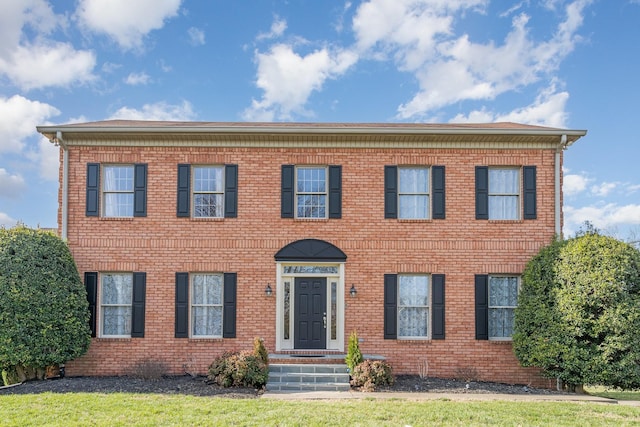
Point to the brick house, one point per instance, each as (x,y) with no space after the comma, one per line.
(195,237)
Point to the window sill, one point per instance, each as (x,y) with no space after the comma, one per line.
(498,341)
(311,219)
(506,221)
(411,341)
(207,219)
(421,220)
(116,218)
(113,339)
(206,339)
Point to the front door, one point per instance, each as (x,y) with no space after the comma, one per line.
(310,313)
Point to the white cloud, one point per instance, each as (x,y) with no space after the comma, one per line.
(6,221)
(11,185)
(602,215)
(48,160)
(603,190)
(125,21)
(288,79)
(196,36)
(157,111)
(547,110)
(31,59)
(18,119)
(135,79)
(278,28)
(573,184)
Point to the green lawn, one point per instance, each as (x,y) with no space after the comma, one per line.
(117,409)
(612,393)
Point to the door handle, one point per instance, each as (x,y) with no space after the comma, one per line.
(324,320)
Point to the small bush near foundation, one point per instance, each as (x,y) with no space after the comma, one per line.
(354,355)
(260,351)
(467,374)
(148,369)
(239,369)
(370,374)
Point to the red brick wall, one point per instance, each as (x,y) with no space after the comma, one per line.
(161,244)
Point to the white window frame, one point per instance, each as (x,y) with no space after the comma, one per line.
(518,194)
(192,278)
(105,193)
(102,305)
(194,193)
(424,307)
(492,307)
(325,193)
(426,194)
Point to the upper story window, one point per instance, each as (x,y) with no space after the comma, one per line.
(311,192)
(506,193)
(116,191)
(208,191)
(413,192)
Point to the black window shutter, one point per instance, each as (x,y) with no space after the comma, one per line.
(229,308)
(93,189)
(335,191)
(138,305)
(91,285)
(437,187)
(231,191)
(482,307)
(390,306)
(184,190)
(391,192)
(182,305)
(482,192)
(529,186)
(287,186)
(437,307)
(140,189)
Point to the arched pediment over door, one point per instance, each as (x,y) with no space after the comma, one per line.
(310,250)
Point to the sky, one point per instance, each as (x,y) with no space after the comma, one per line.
(560,63)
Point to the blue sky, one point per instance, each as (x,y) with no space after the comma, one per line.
(571,64)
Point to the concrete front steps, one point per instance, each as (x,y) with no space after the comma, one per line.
(308,377)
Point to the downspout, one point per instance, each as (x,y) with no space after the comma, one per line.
(558,186)
(64,214)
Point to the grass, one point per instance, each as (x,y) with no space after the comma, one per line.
(120,409)
(612,393)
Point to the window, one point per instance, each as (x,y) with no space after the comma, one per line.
(122,190)
(311,192)
(116,304)
(501,196)
(212,191)
(413,306)
(413,194)
(504,193)
(208,192)
(503,299)
(206,305)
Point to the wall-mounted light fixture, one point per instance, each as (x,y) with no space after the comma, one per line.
(353,291)
(268,291)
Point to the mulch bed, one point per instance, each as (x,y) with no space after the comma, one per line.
(199,386)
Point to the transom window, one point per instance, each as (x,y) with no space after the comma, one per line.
(413,192)
(206,305)
(208,191)
(115,307)
(311,192)
(413,306)
(504,193)
(503,299)
(117,190)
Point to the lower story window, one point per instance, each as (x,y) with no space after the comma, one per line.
(116,298)
(503,299)
(413,306)
(206,305)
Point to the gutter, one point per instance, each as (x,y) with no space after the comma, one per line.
(58,140)
(558,186)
